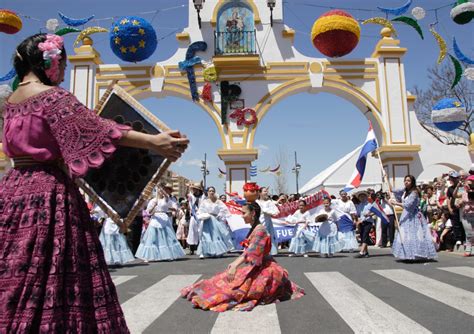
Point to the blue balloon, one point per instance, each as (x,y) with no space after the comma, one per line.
(132,38)
(448,114)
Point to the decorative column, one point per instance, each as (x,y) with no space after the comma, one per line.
(84,65)
(237,163)
(399,154)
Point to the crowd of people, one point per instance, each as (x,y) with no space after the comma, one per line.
(440,212)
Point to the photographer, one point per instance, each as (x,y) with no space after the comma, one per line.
(467,211)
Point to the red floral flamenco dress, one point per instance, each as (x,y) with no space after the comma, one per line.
(261,281)
(53,276)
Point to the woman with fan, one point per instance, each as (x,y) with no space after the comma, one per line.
(47,238)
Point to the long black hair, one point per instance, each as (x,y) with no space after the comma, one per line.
(29,58)
(413,186)
(254,207)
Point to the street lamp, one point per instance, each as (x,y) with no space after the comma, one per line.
(271,4)
(296,170)
(204,170)
(198,5)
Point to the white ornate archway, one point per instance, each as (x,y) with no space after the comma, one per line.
(375,84)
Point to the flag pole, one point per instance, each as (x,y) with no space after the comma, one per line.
(386,180)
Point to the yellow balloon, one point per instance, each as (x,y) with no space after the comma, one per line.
(88,31)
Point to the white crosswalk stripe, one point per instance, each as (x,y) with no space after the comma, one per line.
(357,308)
(452,296)
(464,271)
(262,319)
(141,310)
(122,279)
(361,310)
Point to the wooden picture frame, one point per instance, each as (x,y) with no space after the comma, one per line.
(126,180)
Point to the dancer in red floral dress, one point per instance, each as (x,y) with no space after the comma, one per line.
(260,281)
(53,275)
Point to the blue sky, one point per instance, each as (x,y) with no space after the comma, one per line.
(321,128)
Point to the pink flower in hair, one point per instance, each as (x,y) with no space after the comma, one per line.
(51,48)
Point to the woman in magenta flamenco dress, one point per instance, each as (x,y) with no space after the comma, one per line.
(53,276)
(260,281)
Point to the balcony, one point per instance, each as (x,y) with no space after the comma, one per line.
(235,43)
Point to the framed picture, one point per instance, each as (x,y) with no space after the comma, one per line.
(125,181)
(237,104)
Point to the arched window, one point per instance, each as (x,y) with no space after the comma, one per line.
(235,32)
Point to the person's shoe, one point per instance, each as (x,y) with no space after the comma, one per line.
(330,255)
(361,256)
(305,255)
(201,256)
(291,255)
(467,254)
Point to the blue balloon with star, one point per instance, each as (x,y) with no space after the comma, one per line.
(132,38)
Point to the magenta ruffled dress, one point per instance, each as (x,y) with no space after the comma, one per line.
(53,276)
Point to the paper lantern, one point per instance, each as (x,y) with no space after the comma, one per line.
(448,114)
(469,73)
(418,13)
(336,33)
(462,12)
(132,38)
(10,22)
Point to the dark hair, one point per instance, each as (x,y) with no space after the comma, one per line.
(302,201)
(211,187)
(446,213)
(413,186)
(253,207)
(31,58)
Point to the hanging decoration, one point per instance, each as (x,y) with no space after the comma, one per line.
(448,114)
(10,75)
(457,71)
(52,25)
(188,66)
(418,13)
(65,31)
(462,12)
(461,56)
(88,31)
(443,49)
(206,93)
(246,116)
(411,22)
(469,73)
(335,33)
(132,38)
(275,170)
(210,73)
(383,22)
(396,11)
(221,171)
(74,22)
(229,93)
(10,22)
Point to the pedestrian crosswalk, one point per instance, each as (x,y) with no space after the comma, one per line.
(361,307)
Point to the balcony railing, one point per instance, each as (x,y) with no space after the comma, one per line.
(235,42)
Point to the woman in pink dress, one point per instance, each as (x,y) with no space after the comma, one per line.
(260,281)
(53,276)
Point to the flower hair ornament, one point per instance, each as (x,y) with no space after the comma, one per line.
(51,48)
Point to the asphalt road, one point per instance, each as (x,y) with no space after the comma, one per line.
(343,295)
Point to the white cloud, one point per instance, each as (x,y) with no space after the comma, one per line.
(261,148)
(193,162)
